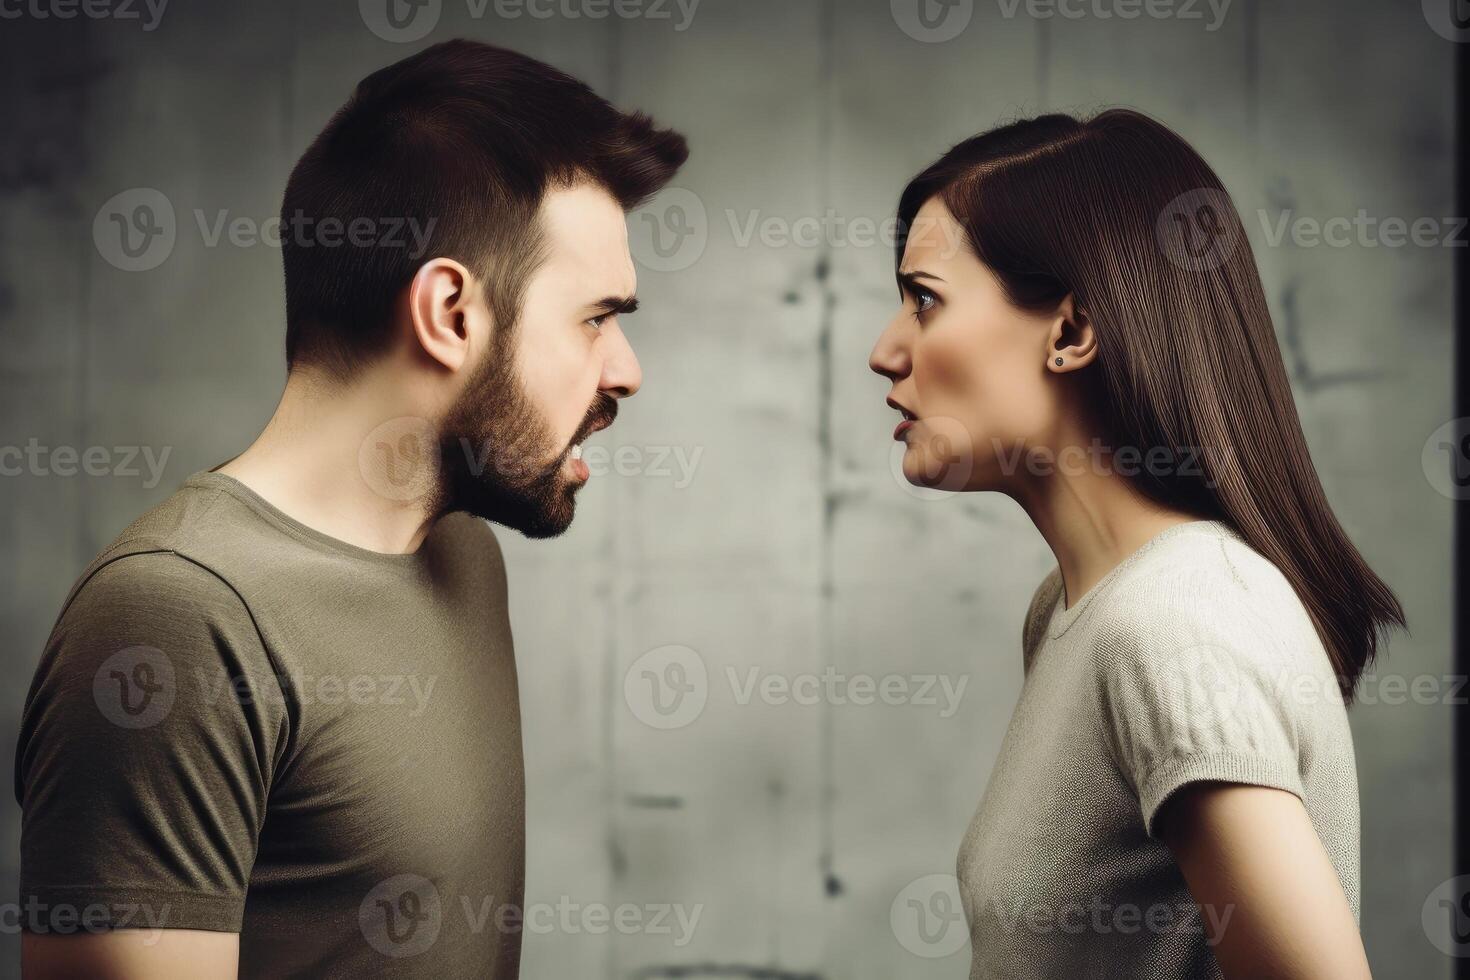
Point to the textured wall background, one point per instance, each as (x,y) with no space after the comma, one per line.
(790,547)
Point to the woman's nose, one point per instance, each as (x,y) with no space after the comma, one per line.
(890,354)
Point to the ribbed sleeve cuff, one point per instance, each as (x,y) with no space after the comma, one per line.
(71,910)
(1223,767)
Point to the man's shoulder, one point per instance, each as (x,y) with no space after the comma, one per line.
(143,583)
(167,525)
(159,562)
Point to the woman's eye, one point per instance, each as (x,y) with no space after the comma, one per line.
(923,301)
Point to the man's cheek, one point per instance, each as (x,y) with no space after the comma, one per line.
(543,387)
(569,412)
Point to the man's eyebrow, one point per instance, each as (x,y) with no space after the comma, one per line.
(611,305)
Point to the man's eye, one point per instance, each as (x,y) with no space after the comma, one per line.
(598,321)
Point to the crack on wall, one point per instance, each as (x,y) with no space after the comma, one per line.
(830,494)
(698,970)
(1297,360)
(652,802)
(1281,197)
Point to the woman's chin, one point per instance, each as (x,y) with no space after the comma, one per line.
(922,470)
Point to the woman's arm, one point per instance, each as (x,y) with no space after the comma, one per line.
(1251,853)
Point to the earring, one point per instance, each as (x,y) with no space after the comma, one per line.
(1059,362)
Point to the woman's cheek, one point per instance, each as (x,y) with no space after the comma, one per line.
(952,391)
(943,373)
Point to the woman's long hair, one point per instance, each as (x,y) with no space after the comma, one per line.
(1123,214)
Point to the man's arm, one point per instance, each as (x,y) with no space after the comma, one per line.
(143,776)
(131,954)
(1254,863)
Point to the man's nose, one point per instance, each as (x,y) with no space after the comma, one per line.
(621,374)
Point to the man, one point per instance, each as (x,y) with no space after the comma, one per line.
(276,728)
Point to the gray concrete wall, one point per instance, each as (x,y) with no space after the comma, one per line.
(797,829)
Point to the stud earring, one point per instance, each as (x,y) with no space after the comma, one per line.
(1059,362)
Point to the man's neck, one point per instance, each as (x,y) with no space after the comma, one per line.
(341,459)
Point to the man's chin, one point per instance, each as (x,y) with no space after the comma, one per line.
(546,514)
(546,526)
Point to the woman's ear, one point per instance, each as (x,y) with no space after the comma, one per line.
(1071,342)
(441,310)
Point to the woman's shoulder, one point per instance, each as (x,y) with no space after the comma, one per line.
(1204,565)
(1206,589)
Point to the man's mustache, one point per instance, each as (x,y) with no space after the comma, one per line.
(600,415)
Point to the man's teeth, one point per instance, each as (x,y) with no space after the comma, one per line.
(577,451)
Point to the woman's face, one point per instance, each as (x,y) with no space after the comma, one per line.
(972,373)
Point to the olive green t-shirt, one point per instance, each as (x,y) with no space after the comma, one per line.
(240,724)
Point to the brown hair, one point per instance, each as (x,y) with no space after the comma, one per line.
(462,140)
(1125,216)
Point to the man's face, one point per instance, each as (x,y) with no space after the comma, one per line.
(512,444)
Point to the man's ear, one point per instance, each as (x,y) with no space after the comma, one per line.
(445,311)
(1071,342)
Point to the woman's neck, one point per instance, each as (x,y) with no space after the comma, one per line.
(1092,521)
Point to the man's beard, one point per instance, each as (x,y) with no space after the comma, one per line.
(499,459)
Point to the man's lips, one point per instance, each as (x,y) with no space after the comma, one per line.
(601,415)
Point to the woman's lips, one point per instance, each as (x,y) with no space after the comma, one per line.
(907,423)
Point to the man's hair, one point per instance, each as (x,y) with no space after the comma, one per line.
(456,144)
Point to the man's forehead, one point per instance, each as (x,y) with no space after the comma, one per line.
(586,240)
(584,221)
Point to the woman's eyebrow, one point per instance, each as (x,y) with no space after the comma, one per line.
(918,274)
(910,277)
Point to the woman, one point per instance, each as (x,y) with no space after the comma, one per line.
(1083,329)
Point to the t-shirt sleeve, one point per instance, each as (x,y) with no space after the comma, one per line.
(147,749)
(1186,698)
